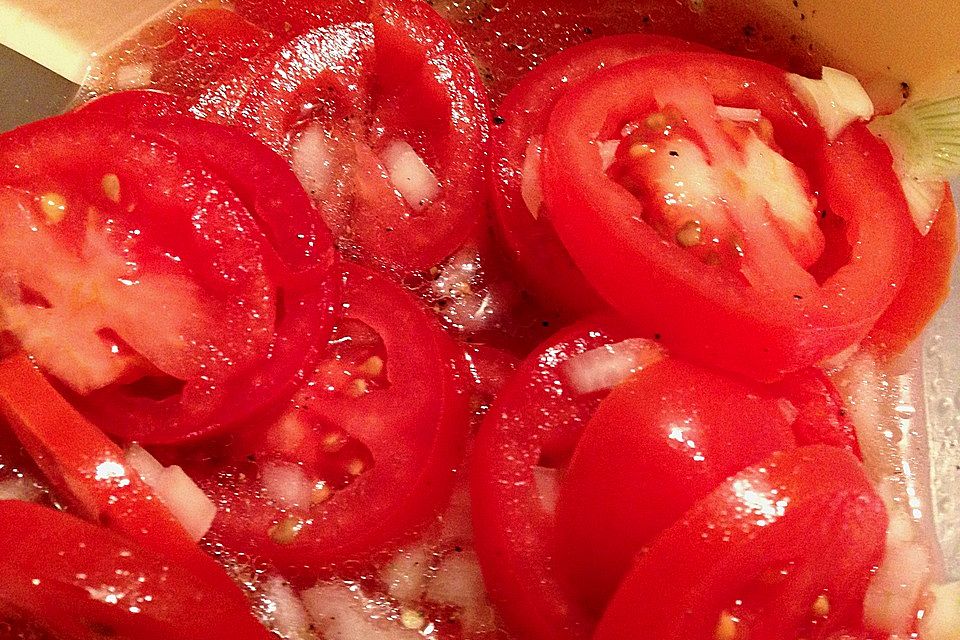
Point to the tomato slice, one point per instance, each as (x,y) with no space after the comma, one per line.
(726,268)
(925,288)
(85,583)
(90,471)
(783,549)
(237,281)
(517,139)
(662,440)
(369,448)
(385,122)
(535,422)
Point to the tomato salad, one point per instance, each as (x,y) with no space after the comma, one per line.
(339,321)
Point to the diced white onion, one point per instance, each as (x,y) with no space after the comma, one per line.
(459,583)
(342,612)
(283,611)
(186,501)
(25,489)
(893,596)
(608,152)
(286,483)
(405,575)
(788,409)
(941,619)
(547,482)
(531,188)
(607,366)
(133,76)
(410,175)
(737,114)
(312,160)
(837,98)
(924,198)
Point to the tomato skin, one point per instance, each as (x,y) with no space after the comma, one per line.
(414,430)
(926,286)
(821,417)
(543,261)
(811,509)
(63,572)
(535,420)
(664,438)
(708,314)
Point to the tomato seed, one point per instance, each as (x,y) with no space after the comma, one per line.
(54,207)
(111,187)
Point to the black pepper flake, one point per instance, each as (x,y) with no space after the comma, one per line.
(675,154)
(803,16)
(545,323)
(498,120)
(797,296)
(458,549)
(823,214)
(587,30)
(796,3)
(657,336)
(646,19)
(905,90)
(749,30)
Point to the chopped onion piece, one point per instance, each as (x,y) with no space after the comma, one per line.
(547,482)
(459,583)
(24,489)
(286,483)
(186,501)
(531,189)
(924,198)
(343,612)
(283,612)
(893,596)
(941,619)
(312,160)
(837,98)
(133,76)
(608,152)
(410,175)
(736,114)
(405,575)
(605,367)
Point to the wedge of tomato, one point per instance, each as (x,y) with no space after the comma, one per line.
(517,140)
(782,549)
(162,222)
(662,440)
(89,472)
(372,443)
(679,238)
(535,422)
(82,582)
(386,123)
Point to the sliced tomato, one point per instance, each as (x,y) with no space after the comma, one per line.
(816,412)
(925,288)
(516,146)
(663,439)
(385,122)
(534,423)
(162,223)
(90,472)
(85,583)
(367,453)
(783,549)
(726,267)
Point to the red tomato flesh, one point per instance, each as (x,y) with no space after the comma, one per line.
(85,583)
(376,435)
(662,439)
(760,313)
(753,558)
